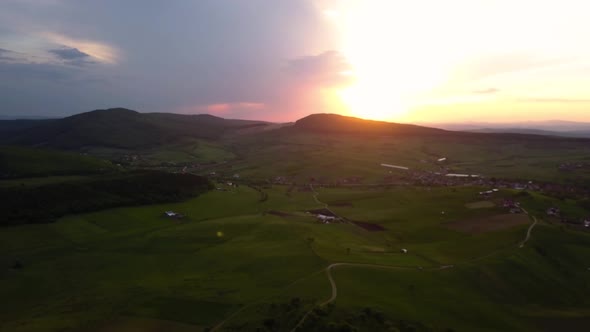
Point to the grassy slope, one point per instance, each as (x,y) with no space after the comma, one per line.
(125,267)
(302,155)
(29,162)
(123,129)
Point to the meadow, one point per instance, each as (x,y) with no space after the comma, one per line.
(390,252)
(301,156)
(233,263)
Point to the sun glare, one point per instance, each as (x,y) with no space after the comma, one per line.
(390,65)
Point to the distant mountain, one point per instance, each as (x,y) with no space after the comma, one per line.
(334,123)
(578,133)
(118,128)
(548,126)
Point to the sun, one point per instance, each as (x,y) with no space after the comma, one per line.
(367,102)
(394,59)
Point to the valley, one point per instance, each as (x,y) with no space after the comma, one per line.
(303,231)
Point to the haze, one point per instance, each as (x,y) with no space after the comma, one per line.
(280,60)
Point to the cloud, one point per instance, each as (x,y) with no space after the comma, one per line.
(101,52)
(72,56)
(487,91)
(491,65)
(69,53)
(6,55)
(232,109)
(328,68)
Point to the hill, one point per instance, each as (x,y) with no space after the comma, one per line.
(120,128)
(334,123)
(18,162)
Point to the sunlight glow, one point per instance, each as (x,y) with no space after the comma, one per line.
(407,55)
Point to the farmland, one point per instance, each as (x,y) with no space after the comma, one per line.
(131,268)
(290,230)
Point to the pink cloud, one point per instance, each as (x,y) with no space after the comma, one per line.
(238,110)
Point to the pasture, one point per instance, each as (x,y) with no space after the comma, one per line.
(231,264)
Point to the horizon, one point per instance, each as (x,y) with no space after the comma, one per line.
(535,124)
(281,61)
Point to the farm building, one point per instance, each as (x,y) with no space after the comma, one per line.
(172,214)
(553,211)
(325,219)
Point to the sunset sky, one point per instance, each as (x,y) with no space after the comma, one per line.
(279,60)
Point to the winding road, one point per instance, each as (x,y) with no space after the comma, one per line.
(335,288)
(333,285)
(529,230)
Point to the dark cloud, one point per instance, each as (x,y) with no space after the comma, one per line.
(7,55)
(170,55)
(67,53)
(72,56)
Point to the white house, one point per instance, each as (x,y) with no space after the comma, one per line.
(325,218)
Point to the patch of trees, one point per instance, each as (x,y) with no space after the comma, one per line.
(44,204)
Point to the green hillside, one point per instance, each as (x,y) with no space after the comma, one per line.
(240,264)
(123,128)
(18,162)
(334,123)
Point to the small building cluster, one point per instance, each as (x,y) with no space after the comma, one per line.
(512,206)
(326,219)
(172,214)
(553,212)
(488,192)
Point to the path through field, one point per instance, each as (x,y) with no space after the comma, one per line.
(528,232)
(335,288)
(330,267)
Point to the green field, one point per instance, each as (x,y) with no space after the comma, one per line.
(131,269)
(328,158)
(294,229)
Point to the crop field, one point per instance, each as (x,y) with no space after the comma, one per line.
(234,263)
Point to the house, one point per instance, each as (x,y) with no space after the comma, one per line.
(553,211)
(508,203)
(325,219)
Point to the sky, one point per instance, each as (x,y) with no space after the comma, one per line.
(280,60)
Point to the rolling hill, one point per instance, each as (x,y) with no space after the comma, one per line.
(119,128)
(334,123)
